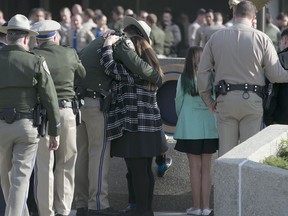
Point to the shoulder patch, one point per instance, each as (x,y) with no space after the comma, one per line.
(45,66)
(129,43)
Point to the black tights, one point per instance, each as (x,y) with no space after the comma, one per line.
(142,182)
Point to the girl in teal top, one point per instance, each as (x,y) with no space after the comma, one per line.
(196,133)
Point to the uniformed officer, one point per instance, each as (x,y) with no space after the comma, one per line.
(93,149)
(157,35)
(241,56)
(24,77)
(3,41)
(55,189)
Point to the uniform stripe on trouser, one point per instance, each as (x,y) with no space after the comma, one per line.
(104,144)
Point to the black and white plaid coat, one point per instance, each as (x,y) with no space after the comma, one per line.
(133,108)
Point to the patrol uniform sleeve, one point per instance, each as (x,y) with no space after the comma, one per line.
(48,97)
(135,64)
(80,72)
(204,75)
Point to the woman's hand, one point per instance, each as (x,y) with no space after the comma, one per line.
(111,39)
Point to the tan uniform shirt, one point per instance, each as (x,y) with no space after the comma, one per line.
(239,54)
(84,37)
(204,33)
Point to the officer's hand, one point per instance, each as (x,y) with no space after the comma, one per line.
(213,108)
(53,143)
(108,33)
(111,40)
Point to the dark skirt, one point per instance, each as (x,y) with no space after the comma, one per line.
(139,144)
(197,147)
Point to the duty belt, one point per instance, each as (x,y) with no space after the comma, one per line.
(65,104)
(221,89)
(92,94)
(18,116)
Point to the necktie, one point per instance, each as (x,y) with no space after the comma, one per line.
(75,40)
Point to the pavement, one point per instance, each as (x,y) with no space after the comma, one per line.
(172,193)
(73,213)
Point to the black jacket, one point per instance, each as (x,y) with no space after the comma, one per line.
(277,113)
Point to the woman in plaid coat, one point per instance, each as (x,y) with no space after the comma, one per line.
(134,122)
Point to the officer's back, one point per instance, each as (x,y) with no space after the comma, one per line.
(64,64)
(24,78)
(95,78)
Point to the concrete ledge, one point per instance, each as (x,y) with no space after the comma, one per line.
(244,186)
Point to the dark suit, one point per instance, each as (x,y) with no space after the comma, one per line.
(278,110)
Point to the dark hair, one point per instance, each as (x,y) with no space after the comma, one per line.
(14,35)
(167,10)
(188,78)
(245,9)
(201,11)
(119,10)
(281,16)
(284,32)
(146,52)
(89,13)
(209,11)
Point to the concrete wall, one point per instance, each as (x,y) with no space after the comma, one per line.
(243,186)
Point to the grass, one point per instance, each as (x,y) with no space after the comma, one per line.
(279,160)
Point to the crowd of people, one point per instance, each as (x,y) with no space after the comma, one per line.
(170,36)
(95,83)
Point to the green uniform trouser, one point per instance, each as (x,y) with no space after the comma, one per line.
(55,189)
(237,118)
(92,166)
(18,147)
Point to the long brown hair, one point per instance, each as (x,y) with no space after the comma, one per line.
(146,52)
(188,78)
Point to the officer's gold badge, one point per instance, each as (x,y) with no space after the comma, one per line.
(45,66)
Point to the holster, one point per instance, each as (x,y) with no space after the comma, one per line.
(105,100)
(267,95)
(76,110)
(40,119)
